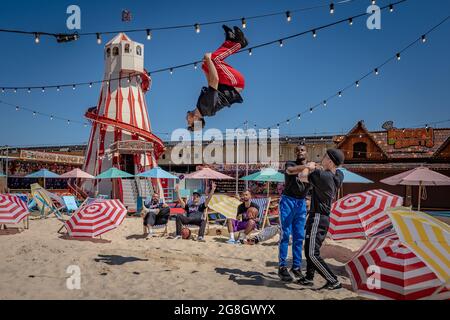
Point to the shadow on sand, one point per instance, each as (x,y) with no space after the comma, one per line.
(115,260)
(93,240)
(10,231)
(253,278)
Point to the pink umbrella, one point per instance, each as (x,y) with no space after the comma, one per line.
(420,176)
(77,174)
(207,173)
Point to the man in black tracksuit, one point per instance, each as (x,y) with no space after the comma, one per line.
(325,181)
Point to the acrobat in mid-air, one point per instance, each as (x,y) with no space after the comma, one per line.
(224,82)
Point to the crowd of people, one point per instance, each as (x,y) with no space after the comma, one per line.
(23,168)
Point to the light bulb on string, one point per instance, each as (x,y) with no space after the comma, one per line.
(281,43)
(373,2)
(197,28)
(15,90)
(350,21)
(310,110)
(357,84)
(68,122)
(314,33)
(171,70)
(340,94)
(73,87)
(398,56)
(43,89)
(324,103)
(331,8)
(391,8)
(37,38)
(377,72)
(90,85)
(58,88)
(287,121)
(149,34)
(244,23)
(99,39)
(195,66)
(29,90)
(424,38)
(3,90)
(17,108)
(34,113)
(51,117)
(288,16)
(299,116)
(250,52)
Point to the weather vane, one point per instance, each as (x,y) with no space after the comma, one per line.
(126,16)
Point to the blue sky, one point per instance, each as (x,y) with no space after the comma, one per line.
(280,82)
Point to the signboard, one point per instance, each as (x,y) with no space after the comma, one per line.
(50,157)
(405,138)
(132,147)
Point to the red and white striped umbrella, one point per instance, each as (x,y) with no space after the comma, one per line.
(12,209)
(96,218)
(361,215)
(385,268)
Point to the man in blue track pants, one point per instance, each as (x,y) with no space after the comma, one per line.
(293,215)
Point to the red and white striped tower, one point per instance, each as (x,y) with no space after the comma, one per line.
(121,115)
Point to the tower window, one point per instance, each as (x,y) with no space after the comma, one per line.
(108,52)
(360,150)
(115,51)
(139,50)
(127,48)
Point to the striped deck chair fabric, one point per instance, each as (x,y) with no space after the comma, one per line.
(44,201)
(263,204)
(222,207)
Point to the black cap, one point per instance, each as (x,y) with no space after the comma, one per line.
(336,155)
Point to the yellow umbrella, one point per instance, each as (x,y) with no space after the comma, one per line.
(224,204)
(426,236)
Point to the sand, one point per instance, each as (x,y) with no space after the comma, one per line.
(123,265)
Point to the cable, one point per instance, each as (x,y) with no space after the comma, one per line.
(357,83)
(196,26)
(195,63)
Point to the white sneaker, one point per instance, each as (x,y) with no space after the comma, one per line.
(231,241)
(201,239)
(177,238)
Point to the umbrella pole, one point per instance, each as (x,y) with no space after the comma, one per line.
(420,195)
(268,189)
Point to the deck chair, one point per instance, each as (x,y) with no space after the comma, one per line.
(196,228)
(263,204)
(70,204)
(46,202)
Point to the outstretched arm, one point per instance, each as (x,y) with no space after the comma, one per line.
(212,76)
(180,199)
(211,193)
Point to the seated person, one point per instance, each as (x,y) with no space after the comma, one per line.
(157,213)
(194,213)
(245,220)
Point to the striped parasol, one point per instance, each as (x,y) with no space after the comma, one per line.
(385,268)
(361,215)
(225,205)
(96,218)
(12,209)
(427,237)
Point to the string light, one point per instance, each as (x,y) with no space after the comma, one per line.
(195,66)
(373,2)
(3,90)
(350,21)
(57,88)
(324,103)
(376,71)
(43,90)
(15,90)
(281,43)
(340,94)
(314,33)
(149,34)
(99,39)
(244,23)
(357,84)
(90,85)
(37,38)
(331,8)
(391,8)
(299,116)
(17,108)
(34,113)
(68,122)
(424,38)
(197,28)
(288,16)
(287,122)
(73,87)
(171,70)
(29,90)
(51,117)
(398,56)
(310,110)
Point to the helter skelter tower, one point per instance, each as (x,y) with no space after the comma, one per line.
(121,134)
